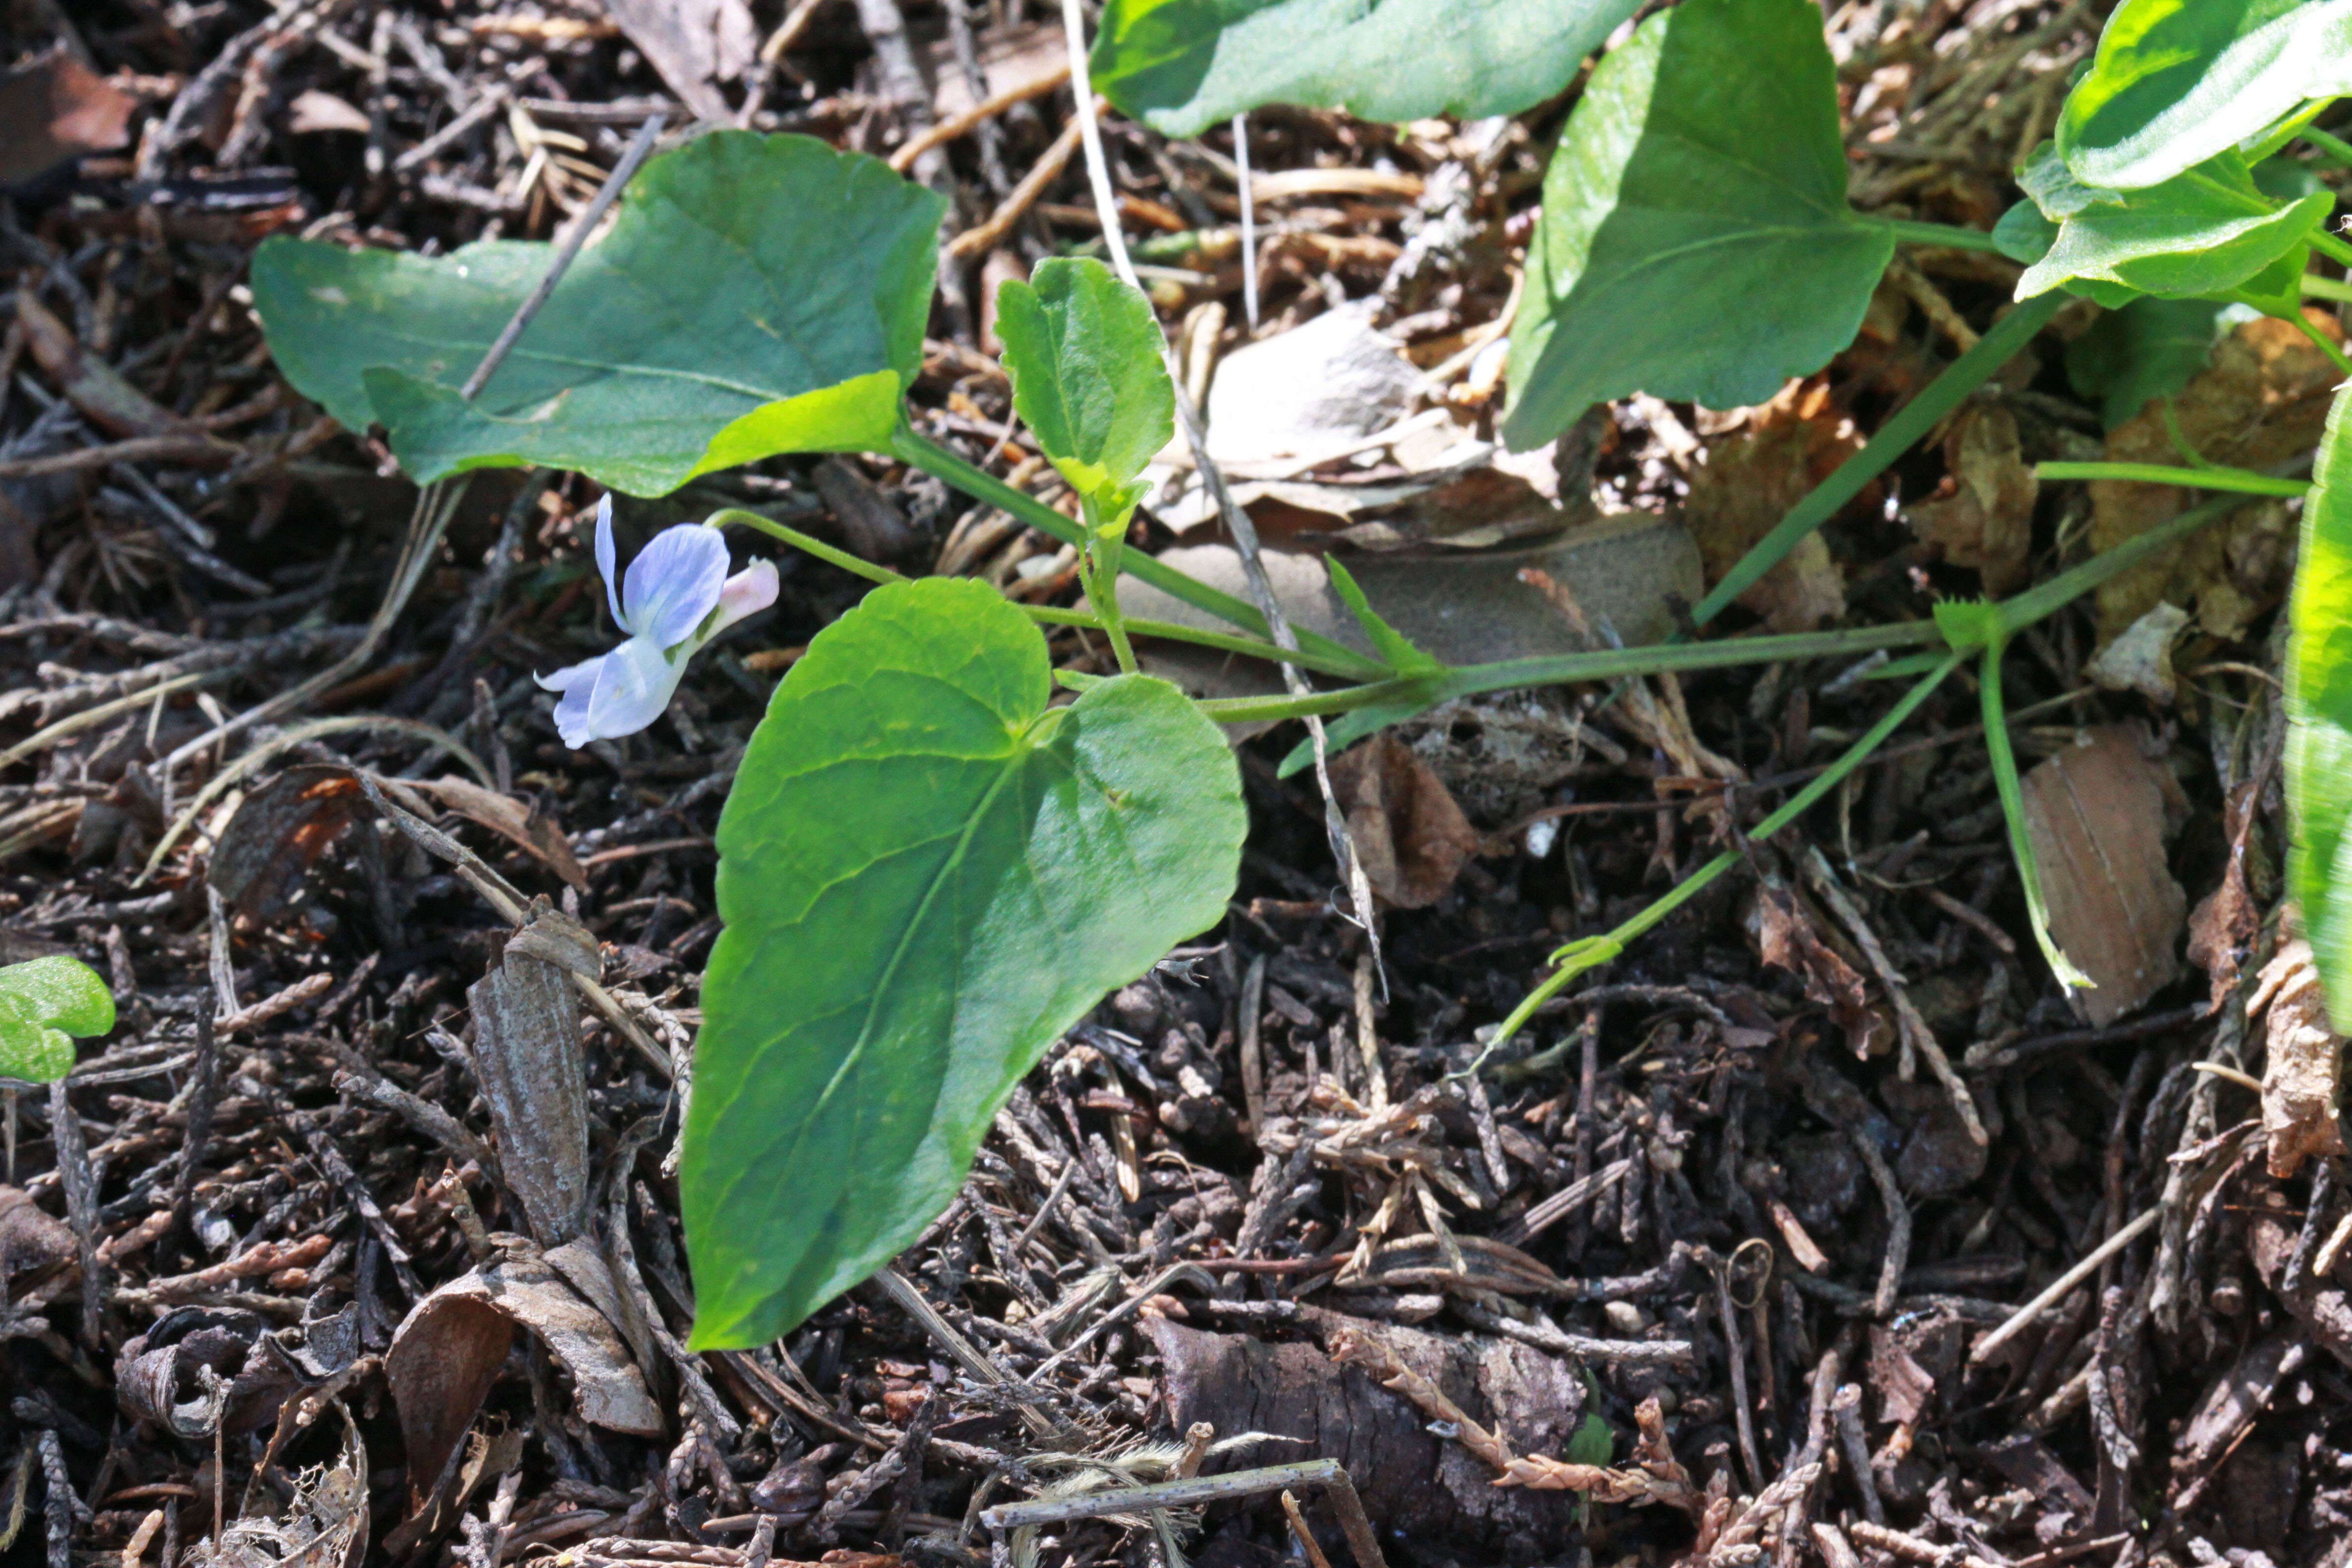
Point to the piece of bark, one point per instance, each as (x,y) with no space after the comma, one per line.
(1411,1480)
(2098,814)
(534,1071)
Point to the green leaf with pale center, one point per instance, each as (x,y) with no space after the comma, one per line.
(2175,82)
(2319,714)
(755,295)
(1083,352)
(43,1003)
(926,877)
(2201,232)
(1696,241)
(1182,66)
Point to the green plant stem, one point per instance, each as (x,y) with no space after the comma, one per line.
(1044,614)
(2012,809)
(2319,341)
(1896,437)
(910,446)
(2334,148)
(1579,956)
(2243,482)
(1911,232)
(2330,247)
(1100,556)
(2321,287)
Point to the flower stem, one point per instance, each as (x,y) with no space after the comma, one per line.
(910,446)
(2319,285)
(2329,245)
(2243,482)
(1591,952)
(1896,437)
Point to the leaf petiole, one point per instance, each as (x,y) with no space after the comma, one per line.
(2335,149)
(1911,231)
(2319,285)
(2241,482)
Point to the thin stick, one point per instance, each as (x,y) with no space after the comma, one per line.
(970,1356)
(979,114)
(622,173)
(1325,1473)
(2063,1283)
(1249,220)
(1024,196)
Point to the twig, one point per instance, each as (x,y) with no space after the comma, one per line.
(970,1357)
(1326,1473)
(2058,1287)
(948,130)
(1249,220)
(974,241)
(575,237)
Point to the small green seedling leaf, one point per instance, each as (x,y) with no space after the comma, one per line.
(1397,650)
(2175,82)
(44,1004)
(2319,714)
(1696,241)
(926,877)
(1969,624)
(2147,349)
(2200,234)
(1083,352)
(755,295)
(1182,66)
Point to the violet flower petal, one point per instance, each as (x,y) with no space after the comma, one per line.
(674,583)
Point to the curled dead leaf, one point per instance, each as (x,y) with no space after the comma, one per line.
(2262,401)
(1986,519)
(278,833)
(2303,1066)
(1748,484)
(449,1351)
(1786,938)
(526,827)
(323,1525)
(1409,833)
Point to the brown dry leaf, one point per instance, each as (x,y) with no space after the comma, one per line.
(325,1525)
(694,45)
(2303,1066)
(32,1241)
(1786,938)
(2141,659)
(1748,484)
(277,834)
(524,827)
(534,1070)
(2098,815)
(2262,401)
(1411,836)
(1986,519)
(2222,930)
(451,1347)
(54,109)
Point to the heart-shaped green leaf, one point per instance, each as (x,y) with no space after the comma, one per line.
(1182,65)
(2175,82)
(926,876)
(44,1002)
(1083,352)
(2201,232)
(1696,241)
(2319,714)
(2147,349)
(756,295)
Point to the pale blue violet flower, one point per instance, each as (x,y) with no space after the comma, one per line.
(675,597)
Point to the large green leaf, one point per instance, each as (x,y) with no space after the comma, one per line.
(1696,241)
(2147,349)
(43,1004)
(1182,65)
(2319,714)
(1083,352)
(2205,232)
(2177,81)
(926,877)
(756,295)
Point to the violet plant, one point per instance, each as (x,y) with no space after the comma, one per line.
(930,866)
